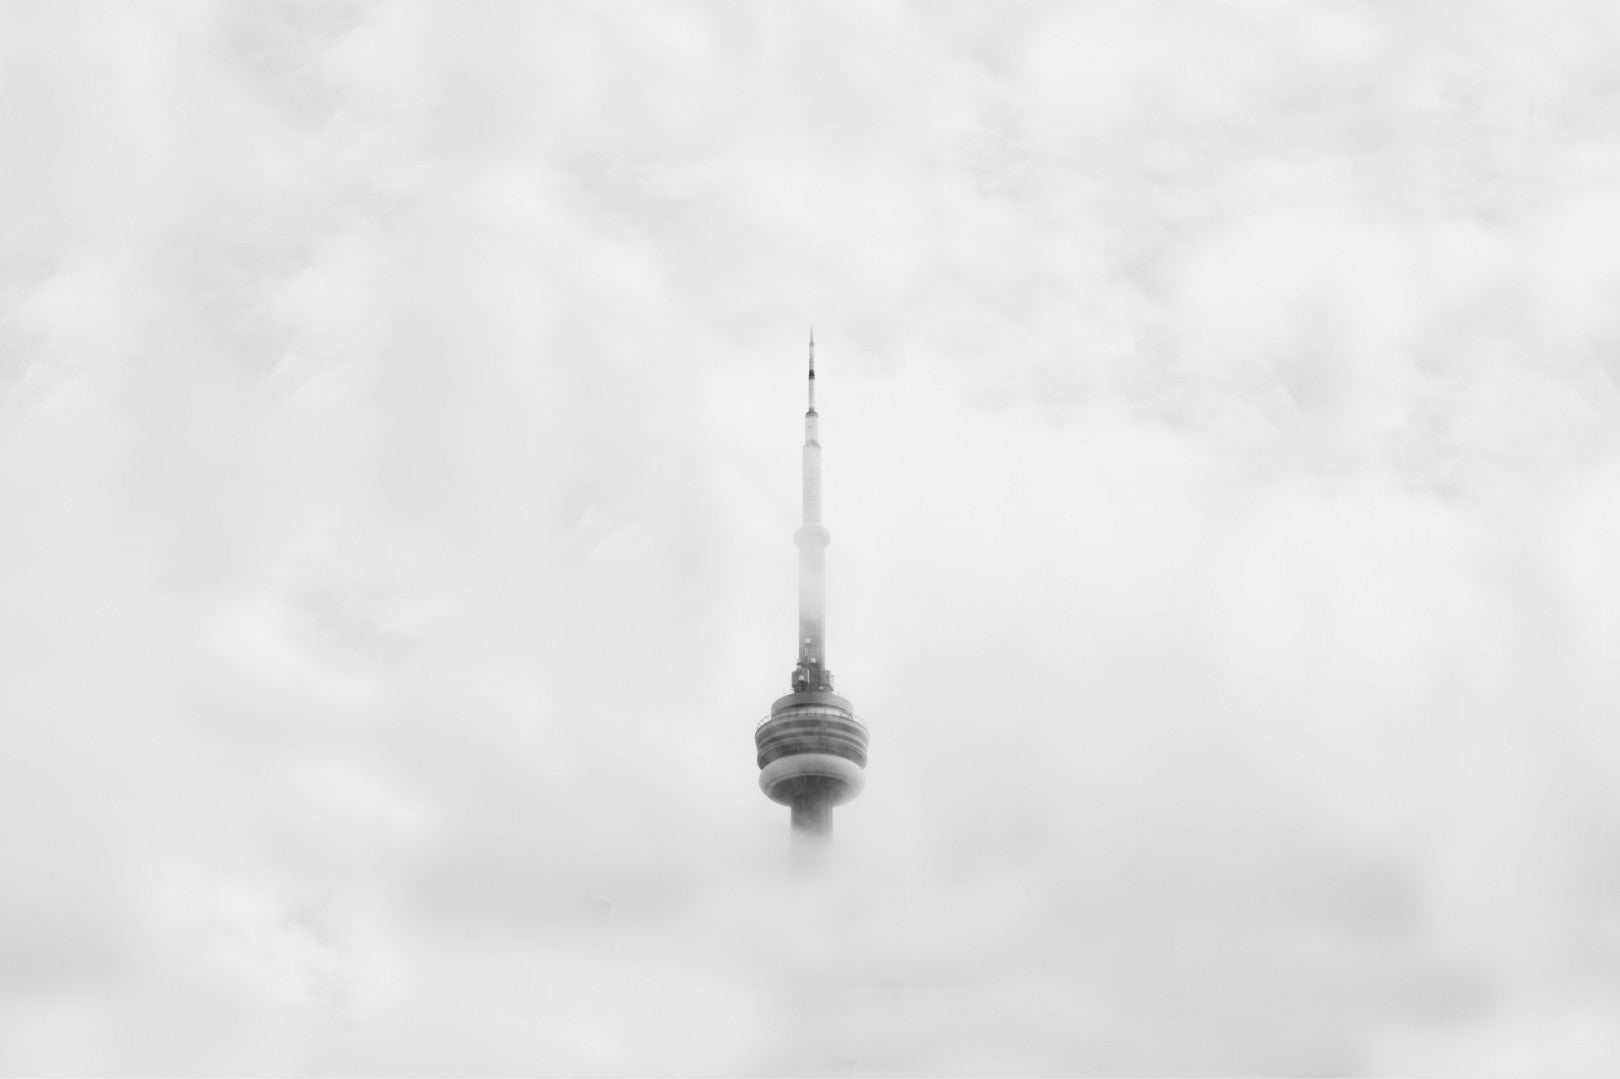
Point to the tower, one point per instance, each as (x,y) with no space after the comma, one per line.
(811,748)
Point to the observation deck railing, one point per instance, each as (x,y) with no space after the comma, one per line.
(813,710)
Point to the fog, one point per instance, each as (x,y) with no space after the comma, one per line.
(399,430)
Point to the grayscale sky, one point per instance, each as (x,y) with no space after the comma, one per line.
(399,421)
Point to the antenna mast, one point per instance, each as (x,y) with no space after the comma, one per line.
(812,539)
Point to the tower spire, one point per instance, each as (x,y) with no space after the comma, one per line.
(812,539)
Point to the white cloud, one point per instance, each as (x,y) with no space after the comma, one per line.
(397,450)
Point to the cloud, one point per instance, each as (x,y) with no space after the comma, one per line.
(398,447)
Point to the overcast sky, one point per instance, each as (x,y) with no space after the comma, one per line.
(399,423)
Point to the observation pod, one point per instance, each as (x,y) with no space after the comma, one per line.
(812,756)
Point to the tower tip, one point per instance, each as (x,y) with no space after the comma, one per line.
(812,382)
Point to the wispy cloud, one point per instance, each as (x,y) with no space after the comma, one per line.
(397,456)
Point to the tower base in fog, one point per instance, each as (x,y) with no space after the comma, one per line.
(812,805)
